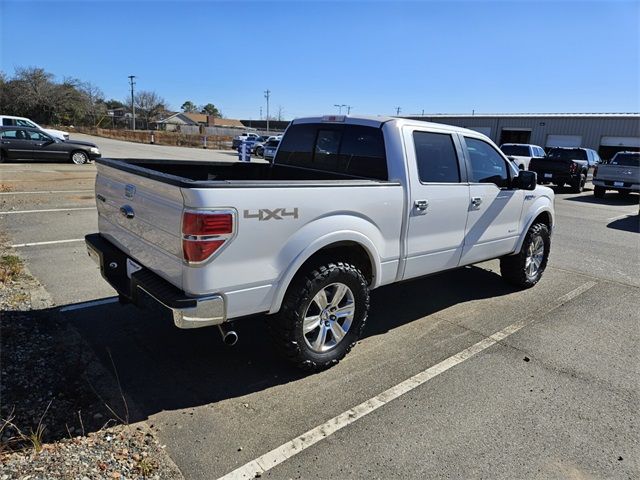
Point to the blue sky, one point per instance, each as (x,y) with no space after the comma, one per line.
(447,57)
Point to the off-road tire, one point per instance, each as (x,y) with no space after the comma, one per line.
(286,326)
(577,186)
(599,192)
(512,267)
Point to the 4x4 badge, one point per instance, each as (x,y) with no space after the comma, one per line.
(129,190)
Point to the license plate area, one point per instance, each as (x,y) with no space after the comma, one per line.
(132,267)
(618,184)
(548,175)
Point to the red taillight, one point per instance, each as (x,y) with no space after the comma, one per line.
(194,223)
(203,233)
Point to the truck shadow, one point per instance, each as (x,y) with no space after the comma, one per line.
(630,223)
(164,368)
(610,198)
(159,367)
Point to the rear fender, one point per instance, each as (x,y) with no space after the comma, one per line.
(319,234)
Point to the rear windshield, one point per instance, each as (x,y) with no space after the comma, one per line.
(353,150)
(626,159)
(272,143)
(567,154)
(517,150)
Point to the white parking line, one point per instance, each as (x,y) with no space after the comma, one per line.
(269,460)
(12,212)
(37,244)
(43,192)
(619,217)
(93,303)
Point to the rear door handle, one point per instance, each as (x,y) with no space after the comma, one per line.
(476,201)
(421,205)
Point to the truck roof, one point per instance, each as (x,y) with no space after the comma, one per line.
(379,120)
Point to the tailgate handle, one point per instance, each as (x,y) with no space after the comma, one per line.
(127,211)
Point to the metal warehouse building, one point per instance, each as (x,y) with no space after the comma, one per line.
(605,132)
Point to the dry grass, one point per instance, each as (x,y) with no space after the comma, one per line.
(11,267)
(5,188)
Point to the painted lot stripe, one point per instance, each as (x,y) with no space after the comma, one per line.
(54,242)
(94,303)
(282,453)
(13,212)
(46,192)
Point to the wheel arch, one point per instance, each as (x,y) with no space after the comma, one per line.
(542,214)
(352,247)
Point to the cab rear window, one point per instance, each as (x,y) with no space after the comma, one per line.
(626,159)
(353,150)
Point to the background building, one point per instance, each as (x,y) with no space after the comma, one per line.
(605,132)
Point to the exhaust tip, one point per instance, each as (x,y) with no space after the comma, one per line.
(230,338)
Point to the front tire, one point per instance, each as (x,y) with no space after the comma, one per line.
(526,268)
(79,157)
(599,192)
(322,316)
(2,156)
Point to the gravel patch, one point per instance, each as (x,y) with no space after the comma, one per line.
(62,415)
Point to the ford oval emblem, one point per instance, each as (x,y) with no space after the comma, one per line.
(129,190)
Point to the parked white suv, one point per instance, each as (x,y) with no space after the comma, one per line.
(522,153)
(11,121)
(349,204)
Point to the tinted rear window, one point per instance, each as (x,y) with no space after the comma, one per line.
(626,159)
(517,150)
(436,157)
(350,149)
(272,143)
(567,154)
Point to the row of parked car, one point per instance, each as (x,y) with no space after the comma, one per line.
(260,145)
(572,166)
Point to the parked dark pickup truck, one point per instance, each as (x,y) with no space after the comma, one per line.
(564,165)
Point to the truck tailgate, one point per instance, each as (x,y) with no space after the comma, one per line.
(619,173)
(143,217)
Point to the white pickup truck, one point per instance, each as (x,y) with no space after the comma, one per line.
(349,204)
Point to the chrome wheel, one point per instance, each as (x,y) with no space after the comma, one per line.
(328,317)
(79,158)
(535,255)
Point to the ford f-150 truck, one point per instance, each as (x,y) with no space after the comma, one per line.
(565,165)
(621,173)
(349,204)
(522,153)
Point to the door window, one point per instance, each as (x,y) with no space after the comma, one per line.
(25,123)
(487,165)
(436,158)
(38,136)
(10,134)
(8,122)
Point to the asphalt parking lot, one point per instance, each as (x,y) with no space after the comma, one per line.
(458,375)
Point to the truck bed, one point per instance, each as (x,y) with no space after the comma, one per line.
(218,174)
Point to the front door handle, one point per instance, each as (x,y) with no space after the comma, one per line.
(476,201)
(421,205)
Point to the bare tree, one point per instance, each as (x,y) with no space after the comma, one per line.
(149,104)
(95,107)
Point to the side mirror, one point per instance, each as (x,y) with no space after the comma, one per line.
(526,180)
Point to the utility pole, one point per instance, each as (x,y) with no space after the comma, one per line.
(398,109)
(260,113)
(348,109)
(267,94)
(133,107)
(340,107)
